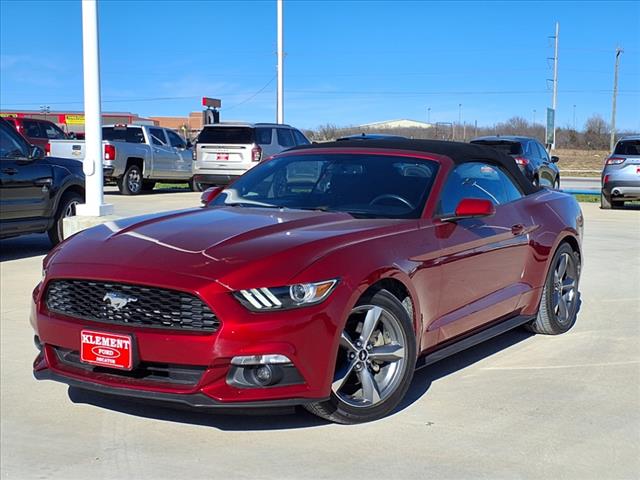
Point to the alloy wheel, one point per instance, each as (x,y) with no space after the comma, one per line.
(134,181)
(565,282)
(371,357)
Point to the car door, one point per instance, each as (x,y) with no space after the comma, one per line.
(164,156)
(184,156)
(482,259)
(24,182)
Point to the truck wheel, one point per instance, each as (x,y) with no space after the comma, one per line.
(66,208)
(131,181)
(196,186)
(148,185)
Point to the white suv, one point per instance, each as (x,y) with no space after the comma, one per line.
(224,151)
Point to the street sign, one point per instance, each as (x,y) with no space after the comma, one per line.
(211,102)
(551,122)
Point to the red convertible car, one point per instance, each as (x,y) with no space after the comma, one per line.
(322,277)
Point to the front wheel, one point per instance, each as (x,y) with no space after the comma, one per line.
(559,304)
(66,208)
(375,363)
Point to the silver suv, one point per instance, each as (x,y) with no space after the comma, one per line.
(621,174)
(224,151)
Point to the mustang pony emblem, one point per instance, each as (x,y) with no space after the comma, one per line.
(118,301)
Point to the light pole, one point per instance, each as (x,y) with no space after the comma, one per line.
(534,117)
(280,41)
(459,115)
(94,205)
(429,115)
(574,118)
(612,141)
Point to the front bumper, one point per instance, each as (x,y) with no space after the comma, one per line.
(308,336)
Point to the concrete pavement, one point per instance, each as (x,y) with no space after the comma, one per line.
(519,406)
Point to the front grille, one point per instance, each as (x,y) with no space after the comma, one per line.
(187,375)
(122,304)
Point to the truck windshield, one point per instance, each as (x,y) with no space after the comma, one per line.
(363,185)
(227,135)
(123,134)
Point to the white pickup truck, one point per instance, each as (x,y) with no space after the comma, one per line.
(136,156)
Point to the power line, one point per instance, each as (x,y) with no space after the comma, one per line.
(248,99)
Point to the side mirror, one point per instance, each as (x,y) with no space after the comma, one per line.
(555,159)
(471,208)
(209,194)
(36,153)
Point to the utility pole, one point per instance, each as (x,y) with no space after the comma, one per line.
(280,94)
(429,115)
(574,117)
(555,84)
(459,114)
(534,117)
(94,205)
(612,141)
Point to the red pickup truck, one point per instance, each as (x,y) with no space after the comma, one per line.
(36,131)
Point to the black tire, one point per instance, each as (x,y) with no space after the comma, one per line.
(66,208)
(197,186)
(148,185)
(536,182)
(131,182)
(605,202)
(550,319)
(336,409)
(556,184)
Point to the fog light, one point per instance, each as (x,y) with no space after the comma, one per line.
(263,375)
(272,359)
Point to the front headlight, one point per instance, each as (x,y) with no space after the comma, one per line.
(284,298)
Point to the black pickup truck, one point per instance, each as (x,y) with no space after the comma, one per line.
(36,192)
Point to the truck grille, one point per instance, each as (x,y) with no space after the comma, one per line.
(122,304)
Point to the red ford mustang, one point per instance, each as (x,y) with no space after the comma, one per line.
(322,277)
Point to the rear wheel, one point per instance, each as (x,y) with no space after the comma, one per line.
(131,182)
(66,208)
(559,303)
(375,363)
(605,202)
(197,186)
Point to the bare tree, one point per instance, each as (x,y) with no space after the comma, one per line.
(596,133)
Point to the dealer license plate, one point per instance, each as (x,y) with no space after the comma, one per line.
(106,349)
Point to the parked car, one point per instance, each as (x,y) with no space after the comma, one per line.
(323,277)
(37,132)
(224,151)
(36,192)
(530,155)
(621,174)
(136,156)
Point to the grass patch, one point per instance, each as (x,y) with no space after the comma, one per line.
(172,186)
(587,198)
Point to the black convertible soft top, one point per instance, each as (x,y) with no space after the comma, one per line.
(456,151)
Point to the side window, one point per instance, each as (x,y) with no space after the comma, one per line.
(52,132)
(175,140)
(264,136)
(477,180)
(300,138)
(32,129)
(11,146)
(157,136)
(285,138)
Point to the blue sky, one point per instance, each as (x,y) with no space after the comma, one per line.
(346,63)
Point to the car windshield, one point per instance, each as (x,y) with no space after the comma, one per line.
(510,148)
(363,185)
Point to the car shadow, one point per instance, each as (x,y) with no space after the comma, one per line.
(156,191)
(291,418)
(25,246)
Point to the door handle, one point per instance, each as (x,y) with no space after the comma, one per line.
(44,182)
(10,171)
(517,229)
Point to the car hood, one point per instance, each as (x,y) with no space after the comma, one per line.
(237,246)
